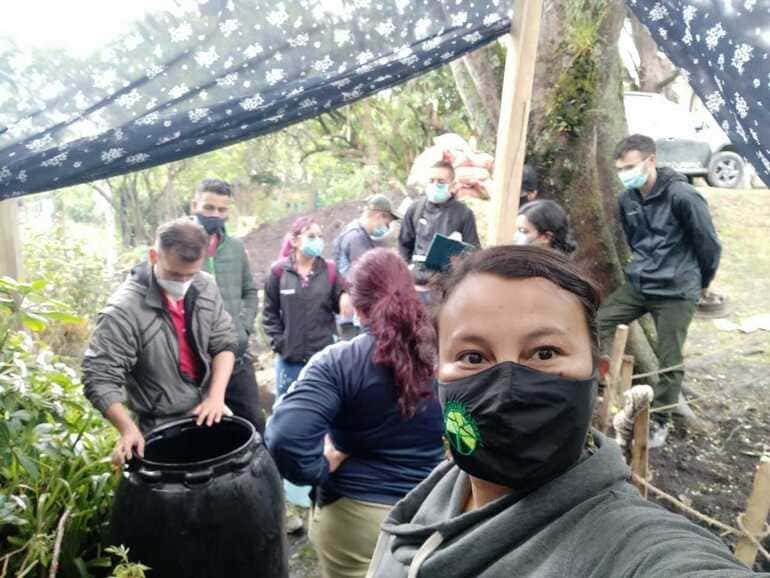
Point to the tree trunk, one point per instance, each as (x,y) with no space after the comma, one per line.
(478,80)
(656,72)
(576,119)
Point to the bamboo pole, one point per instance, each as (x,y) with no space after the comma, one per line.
(626,374)
(753,522)
(612,378)
(10,242)
(514,116)
(639,449)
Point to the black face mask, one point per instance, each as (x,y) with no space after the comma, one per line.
(213,225)
(516,426)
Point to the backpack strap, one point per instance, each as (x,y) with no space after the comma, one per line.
(331,272)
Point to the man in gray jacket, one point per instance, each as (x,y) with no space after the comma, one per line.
(164,346)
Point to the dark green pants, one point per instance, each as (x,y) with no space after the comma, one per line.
(672,319)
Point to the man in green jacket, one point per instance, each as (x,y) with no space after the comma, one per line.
(228,263)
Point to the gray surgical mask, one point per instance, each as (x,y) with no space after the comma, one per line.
(174,289)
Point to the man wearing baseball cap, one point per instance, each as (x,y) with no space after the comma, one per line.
(370,230)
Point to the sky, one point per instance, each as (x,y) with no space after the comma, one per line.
(78,26)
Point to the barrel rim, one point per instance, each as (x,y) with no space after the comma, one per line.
(137,463)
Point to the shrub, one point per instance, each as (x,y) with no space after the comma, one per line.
(56,483)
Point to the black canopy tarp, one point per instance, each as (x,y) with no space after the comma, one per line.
(213,72)
(722,46)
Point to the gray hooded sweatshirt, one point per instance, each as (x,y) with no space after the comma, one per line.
(588,522)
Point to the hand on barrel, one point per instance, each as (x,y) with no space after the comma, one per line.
(334,456)
(129,439)
(209,411)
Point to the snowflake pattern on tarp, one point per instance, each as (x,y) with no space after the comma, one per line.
(722,46)
(215,72)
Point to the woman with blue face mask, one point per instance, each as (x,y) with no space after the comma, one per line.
(531,490)
(302,293)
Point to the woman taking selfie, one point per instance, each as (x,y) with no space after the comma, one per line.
(530,492)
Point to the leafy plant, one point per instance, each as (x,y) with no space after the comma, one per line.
(55,480)
(126,568)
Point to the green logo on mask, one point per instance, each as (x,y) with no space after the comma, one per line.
(461,428)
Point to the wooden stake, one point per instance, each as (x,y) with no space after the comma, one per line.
(10,243)
(612,378)
(755,518)
(639,449)
(626,374)
(514,116)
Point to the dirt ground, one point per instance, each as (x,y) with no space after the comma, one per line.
(728,373)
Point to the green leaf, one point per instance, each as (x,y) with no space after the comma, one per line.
(63,317)
(34,322)
(27,463)
(38,285)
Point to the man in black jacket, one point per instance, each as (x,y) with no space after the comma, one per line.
(438,212)
(674,257)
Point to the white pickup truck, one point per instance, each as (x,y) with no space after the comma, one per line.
(690,143)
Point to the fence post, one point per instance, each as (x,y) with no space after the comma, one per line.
(757,508)
(639,449)
(612,378)
(626,374)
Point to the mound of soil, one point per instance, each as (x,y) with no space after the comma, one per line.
(264,242)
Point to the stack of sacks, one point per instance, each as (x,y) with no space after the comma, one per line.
(473,170)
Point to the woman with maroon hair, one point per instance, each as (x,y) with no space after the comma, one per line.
(362,424)
(302,294)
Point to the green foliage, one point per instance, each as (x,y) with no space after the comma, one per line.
(53,447)
(126,568)
(71,273)
(574,96)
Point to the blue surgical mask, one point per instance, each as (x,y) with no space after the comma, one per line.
(379,233)
(312,247)
(634,178)
(438,193)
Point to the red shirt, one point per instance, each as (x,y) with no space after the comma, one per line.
(189,364)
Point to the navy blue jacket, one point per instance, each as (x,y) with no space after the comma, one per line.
(342,392)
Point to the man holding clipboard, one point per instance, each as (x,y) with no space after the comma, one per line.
(438,213)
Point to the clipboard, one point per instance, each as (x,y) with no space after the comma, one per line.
(441,251)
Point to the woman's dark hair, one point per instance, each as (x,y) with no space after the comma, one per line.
(524,262)
(548,217)
(383,292)
(299,226)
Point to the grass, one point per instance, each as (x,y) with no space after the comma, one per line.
(742,220)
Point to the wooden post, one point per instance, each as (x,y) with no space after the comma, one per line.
(626,374)
(612,378)
(755,517)
(514,116)
(639,449)
(10,242)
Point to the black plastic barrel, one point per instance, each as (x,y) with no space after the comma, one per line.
(205,502)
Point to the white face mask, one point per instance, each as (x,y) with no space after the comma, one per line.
(174,289)
(521,239)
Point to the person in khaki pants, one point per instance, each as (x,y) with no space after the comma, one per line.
(361,423)
(674,256)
